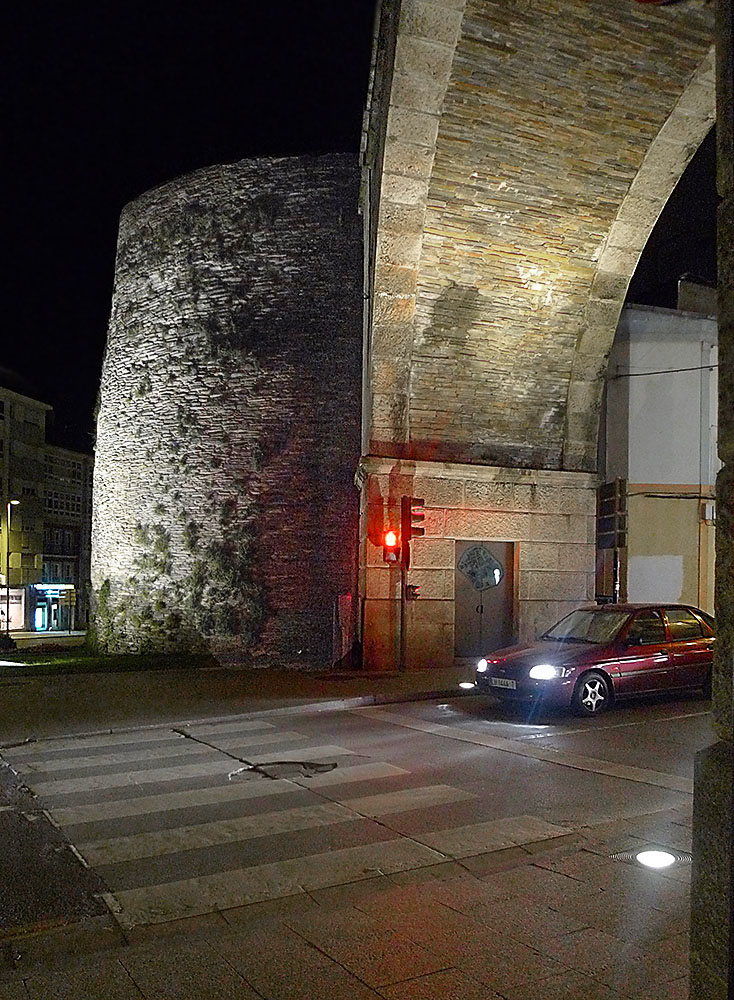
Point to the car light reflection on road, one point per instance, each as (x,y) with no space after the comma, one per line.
(655,859)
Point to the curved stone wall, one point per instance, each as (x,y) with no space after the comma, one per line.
(228,430)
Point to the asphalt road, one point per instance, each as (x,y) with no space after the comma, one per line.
(192,822)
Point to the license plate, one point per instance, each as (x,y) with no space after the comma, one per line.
(502,682)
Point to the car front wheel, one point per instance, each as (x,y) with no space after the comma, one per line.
(591,695)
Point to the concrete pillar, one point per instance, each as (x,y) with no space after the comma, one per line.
(712,920)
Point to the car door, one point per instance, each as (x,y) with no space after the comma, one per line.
(643,661)
(691,648)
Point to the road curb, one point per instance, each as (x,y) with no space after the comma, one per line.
(333,705)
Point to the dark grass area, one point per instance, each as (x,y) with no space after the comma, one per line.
(80,660)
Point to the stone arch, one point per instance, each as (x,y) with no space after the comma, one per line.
(666,160)
(513,140)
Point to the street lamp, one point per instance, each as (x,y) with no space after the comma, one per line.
(11,504)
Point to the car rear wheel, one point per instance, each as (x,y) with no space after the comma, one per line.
(592,694)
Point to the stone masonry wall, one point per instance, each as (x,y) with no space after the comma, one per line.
(511,219)
(550,516)
(228,429)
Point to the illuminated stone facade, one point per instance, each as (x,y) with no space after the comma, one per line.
(517,157)
(225,513)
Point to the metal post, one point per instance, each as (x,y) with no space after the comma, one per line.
(403,624)
(7,569)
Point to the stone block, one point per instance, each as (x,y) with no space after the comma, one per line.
(390,376)
(433,553)
(382,581)
(638,210)
(488,525)
(380,650)
(557,527)
(403,190)
(394,279)
(439,492)
(608,285)
(408,160)
(395,340)
(393,309)
(539,555)
(603,313)
(388,412)
(418,93)
(552,585)
(431,21)
(399,248)
(423,59)
(435,584)
(399,219)
(430,646)
(415,127)
(577,558)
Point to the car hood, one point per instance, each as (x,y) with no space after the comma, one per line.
(546,651)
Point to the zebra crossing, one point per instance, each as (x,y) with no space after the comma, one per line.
(199,818)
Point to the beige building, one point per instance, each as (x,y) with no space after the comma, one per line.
(45,493)
(659,441)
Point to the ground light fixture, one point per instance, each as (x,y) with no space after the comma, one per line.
(654,858)
(467,685)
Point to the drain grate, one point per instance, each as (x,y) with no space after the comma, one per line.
(630,857)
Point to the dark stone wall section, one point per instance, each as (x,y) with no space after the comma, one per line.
(225,513)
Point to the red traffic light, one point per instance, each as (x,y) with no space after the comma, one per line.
(410,524)
(390,546)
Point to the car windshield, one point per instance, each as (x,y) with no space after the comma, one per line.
(588,626)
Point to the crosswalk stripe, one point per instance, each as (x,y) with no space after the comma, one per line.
(144,805)
(132,738)
(193,837)
(190,897)
(343,775)
(232,791)
(189,838)
(180,748)
(212,728)
(311,754)
(466,841)
(407,799)
(219,766)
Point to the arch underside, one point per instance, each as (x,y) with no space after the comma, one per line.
(529,152)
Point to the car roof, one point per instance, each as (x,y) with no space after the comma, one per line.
(640,607)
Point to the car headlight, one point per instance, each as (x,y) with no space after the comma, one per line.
(544,672)
(482,666)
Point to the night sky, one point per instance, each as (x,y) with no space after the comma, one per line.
(108,99)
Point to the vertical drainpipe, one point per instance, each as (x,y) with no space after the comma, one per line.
(704,463)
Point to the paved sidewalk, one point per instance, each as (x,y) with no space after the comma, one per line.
(557,918)
(36,707)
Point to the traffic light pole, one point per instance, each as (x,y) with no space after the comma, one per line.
(403,622)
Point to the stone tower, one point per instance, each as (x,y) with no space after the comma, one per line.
(225,513)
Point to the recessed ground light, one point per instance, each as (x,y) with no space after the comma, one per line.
(653,858)
(466,685)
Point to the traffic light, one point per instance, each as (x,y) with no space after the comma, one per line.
(410,524)
(391,546)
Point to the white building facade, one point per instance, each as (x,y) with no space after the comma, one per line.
(659,441)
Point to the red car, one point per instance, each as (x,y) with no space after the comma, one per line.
(595,655)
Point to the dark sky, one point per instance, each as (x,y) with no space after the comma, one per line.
(109,99)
